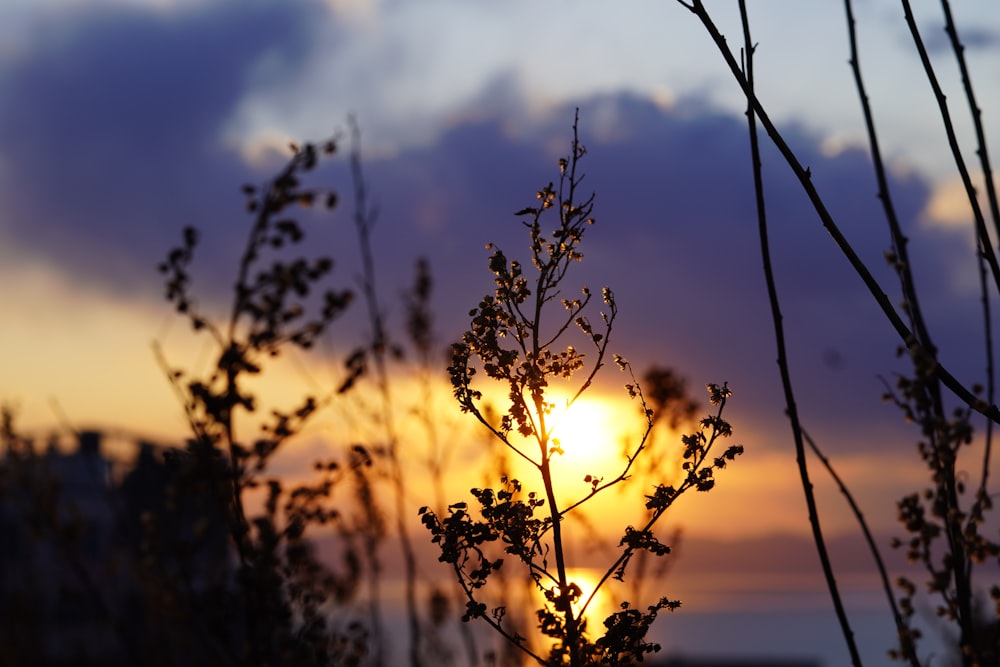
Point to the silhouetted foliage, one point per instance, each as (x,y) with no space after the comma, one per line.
(668,397)
(280,591)
(942,522)
(519,339)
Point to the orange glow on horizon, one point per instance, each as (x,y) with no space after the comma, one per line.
(587,432)
(90,354)
(586,438)
(600,607)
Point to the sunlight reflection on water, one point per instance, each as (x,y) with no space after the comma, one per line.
(773,615)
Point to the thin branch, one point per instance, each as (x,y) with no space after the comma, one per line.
(690,481)
(365,217)
(949,127)
(630,460)
(779,337)
(977,114)
(514,639)
(901,260)
(991,193)
(901,626)
(805,179)
(990,382)
(953,532)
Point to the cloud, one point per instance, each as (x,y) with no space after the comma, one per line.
(975,38)
(116,137)
(676,238)
(110,136)
(949,205)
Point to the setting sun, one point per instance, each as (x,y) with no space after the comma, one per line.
(590,433)
(601,606)
(585,430)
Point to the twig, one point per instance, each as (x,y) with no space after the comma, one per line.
(365,217)
(804,177)
(779,337)
(901,626)
(949,127)
(982,151)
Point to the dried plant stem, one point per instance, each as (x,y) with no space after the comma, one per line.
(364,218)
(779,337)
(977,114)
(948,125)
(955,539)
(982,151)
(901,626)
(804,177)
(901,262)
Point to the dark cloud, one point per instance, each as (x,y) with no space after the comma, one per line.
(111,128)
(112,135)
(975,38)
(677,239)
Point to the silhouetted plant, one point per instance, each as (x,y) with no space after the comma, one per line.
(520,340)
(282,592)
(943,523)
(438,456)
(673,409)
(374,358)
(52,566)
(943,528)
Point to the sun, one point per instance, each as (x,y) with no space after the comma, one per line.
(601,606)
(586,441)
(584,429)
(590,434)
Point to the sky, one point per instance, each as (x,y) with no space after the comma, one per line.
(124,121)
(121,121)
